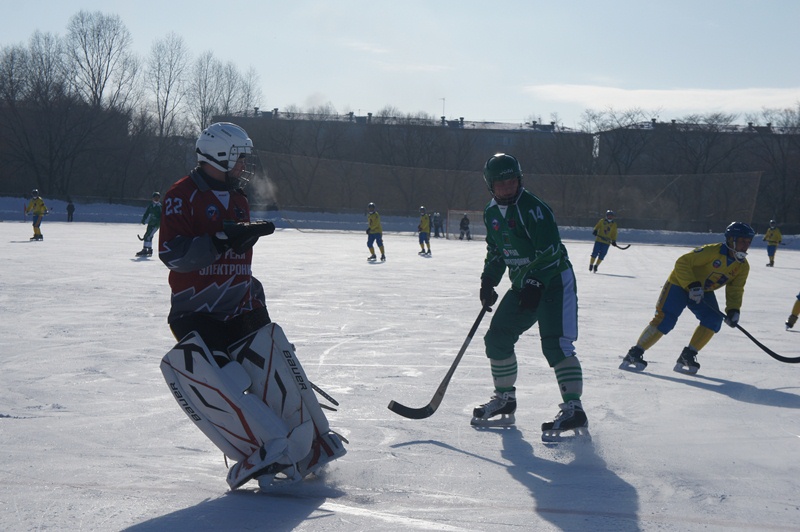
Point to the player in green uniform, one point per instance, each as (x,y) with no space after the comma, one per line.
(691,285)
(523,238)
(151,217)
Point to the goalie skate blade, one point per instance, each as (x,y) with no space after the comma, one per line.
(686,370)
(580,434)
(505,420)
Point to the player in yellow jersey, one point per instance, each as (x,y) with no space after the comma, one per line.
(792,319)
(38,209)
(374,233)
(424,229)
(605,233)
(773,239)
(691,285)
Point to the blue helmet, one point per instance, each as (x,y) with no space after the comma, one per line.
(734,232)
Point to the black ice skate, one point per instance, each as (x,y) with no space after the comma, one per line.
(687,362)
(570,418)
(502,404)
(790,321)
(372,258)
(144,253)
(634,360)
(383,258)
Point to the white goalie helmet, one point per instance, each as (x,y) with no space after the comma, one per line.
(222,144)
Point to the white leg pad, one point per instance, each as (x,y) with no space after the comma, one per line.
(278,377)
(216,400)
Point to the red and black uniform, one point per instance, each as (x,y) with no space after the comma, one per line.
(213,291)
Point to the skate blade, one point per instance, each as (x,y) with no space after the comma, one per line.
(686,370)
(504,420)
(579,434)
(632,366)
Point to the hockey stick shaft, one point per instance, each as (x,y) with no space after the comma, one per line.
(767,350)
(430,408)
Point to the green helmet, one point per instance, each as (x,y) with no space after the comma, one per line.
(501,167)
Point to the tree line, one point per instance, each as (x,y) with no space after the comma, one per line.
(83,116)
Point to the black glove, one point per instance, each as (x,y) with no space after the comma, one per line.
(594,233)
(488,295)
(614,243)
(241,236)
(367,231)
(732,317)
(531,294)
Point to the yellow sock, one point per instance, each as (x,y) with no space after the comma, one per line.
(650,335)
(702,335)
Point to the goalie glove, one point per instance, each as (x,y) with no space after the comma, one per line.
(696,292)
(241,236)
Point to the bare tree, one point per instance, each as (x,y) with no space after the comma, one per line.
(250,89)
(166,79)
(622,138)
(103,68)
(204,89)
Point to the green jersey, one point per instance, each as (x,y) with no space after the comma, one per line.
(524,238)
(152,215)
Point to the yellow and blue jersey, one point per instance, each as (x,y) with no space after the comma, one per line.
(424,223)
(374,223)
(712,267)
(36,207)
(605,231)
(773,236)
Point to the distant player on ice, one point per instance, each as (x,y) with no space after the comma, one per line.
(522,237)
(38,209)
(773,238)
(374,233)
(424,229)
(605,233)
(151,217)
(233,371)
(691,285)
(463,227)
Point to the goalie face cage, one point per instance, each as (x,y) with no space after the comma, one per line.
(452,225)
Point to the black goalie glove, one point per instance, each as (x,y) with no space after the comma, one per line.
(241,236)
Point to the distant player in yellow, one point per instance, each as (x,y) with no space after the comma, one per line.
(691,285)
(773,239)
(793,316)
(38,209)
(374,233)
(424,229)
(605,232)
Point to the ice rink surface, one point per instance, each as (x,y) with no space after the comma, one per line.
(92,439)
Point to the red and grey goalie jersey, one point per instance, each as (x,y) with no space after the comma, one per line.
(201,279)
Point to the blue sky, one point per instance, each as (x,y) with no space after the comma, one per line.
(506,61)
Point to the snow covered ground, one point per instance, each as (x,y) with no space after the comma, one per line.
(92,439)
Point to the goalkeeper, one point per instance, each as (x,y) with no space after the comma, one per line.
(233,372)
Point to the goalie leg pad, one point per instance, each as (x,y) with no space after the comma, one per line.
(278,377)
(215,398)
